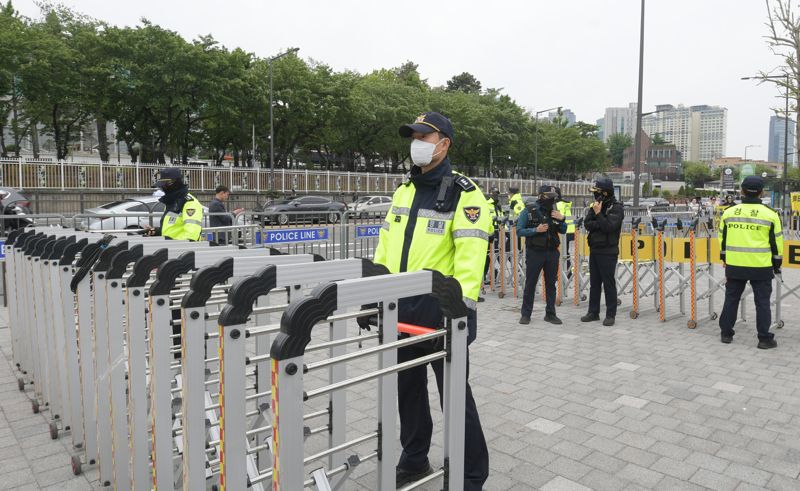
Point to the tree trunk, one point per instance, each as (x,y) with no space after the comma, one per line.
(102,138)
(57,137)
(35,140)
(3,153)
(133,153)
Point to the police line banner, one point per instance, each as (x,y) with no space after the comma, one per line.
(288,236)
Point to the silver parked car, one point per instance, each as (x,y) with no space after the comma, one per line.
(131,213)
(371,205)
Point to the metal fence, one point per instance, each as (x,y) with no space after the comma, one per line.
(30,174)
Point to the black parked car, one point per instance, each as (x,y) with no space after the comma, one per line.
(303,209)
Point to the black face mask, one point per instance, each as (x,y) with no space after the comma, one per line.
(599,197)
(546,205)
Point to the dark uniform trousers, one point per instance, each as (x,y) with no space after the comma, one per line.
(602,273)
(762,291)
(416,425)
(537,260)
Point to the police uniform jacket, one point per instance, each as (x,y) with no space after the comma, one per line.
(438,220)
(751,240)
(531,217)
(183,216)
(604,228)
(516,204)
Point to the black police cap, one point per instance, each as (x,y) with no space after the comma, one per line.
(753,184)
(428,123)
(167,176)
(604,184)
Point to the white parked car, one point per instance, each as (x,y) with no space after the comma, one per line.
(371,205)
(131,213)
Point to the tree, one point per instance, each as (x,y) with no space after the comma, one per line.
(666,194)
(617,143)
(783,40)
(646,189)
(658,139)
(465,82)
(696,174)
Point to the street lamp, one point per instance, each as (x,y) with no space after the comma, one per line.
(536,146)
(785,132)
(637,150)
(745,150)
(271,132)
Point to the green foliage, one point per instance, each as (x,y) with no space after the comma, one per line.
(681,191)
(617,143)
(465,82)
(666,194)
(646,189)
(696,173)
(658,139)
(174,100)
(655,193)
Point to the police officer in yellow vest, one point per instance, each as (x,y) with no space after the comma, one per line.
(183,216)
(515,202)
(565,208)
(751,248)
(495,211)
(439,220)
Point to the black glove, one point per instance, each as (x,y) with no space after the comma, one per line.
(776,265)
(366,322)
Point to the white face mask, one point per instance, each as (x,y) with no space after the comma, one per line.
(422,152)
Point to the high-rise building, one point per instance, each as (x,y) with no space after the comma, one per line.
(566,114)
(619,120)
(699,132)
(601,128)
(777,132)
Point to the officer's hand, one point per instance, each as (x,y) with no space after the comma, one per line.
(542,228)
(557,215)
(776,265)
(148,231)
(597,206)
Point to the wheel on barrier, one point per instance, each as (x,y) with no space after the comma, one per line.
(21,385)
(634,314)
(691,324)
(619,302)
(53,431)
(35,407)
(500,295)
(780,324)
(558,303)
(714,316)
(583,298)
(76,465)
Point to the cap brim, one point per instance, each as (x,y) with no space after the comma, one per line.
(160,184)
(409,129)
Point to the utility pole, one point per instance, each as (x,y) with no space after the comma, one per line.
(637,147)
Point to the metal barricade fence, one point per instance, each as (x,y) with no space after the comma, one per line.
(248,419)
(291,371)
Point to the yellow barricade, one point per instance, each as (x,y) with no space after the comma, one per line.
(681,250)
(791,254)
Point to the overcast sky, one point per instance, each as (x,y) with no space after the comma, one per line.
(580,54)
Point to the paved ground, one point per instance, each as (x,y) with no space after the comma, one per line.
(641,405)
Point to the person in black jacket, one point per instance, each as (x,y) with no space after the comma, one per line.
(218,213)
(540,224)
(604,224)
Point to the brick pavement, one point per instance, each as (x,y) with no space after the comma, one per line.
(641,405)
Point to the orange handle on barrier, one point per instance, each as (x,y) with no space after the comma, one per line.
(413,330)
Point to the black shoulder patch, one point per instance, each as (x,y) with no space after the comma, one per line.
(189,197)
(465,183)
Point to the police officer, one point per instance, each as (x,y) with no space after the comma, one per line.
(496,212)
(515,202)
(751,247)
(183,216)
(541,223)
(565,208)
(604,223)
(439,220)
